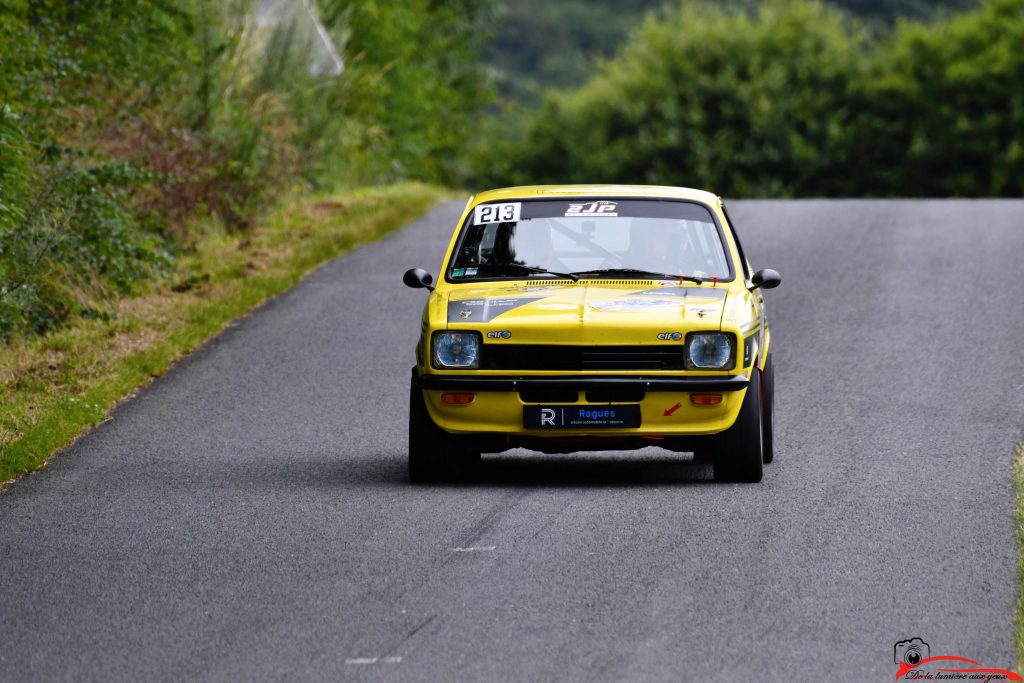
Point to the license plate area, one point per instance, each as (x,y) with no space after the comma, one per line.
(581,417)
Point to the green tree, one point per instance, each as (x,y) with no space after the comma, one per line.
(790,99)
(538,44)
(745,102)
(122,122)
(943,111)
(419,83)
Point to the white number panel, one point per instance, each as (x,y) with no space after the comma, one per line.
(497,213)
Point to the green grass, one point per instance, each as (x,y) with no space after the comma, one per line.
(56,387)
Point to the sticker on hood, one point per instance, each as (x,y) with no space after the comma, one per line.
(633,304)
(484,310)
(689,292)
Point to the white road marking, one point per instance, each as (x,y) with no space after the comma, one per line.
(392,659)
(474,549)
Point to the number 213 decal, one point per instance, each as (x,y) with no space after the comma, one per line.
(497,213)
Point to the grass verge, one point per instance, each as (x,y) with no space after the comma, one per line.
(56,387)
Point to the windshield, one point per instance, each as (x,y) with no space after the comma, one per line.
(592,237)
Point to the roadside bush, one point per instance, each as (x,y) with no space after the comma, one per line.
(67,238)
(746,101)
(789,99)
(417,84)
(124,122)
(73,248)
(943,112)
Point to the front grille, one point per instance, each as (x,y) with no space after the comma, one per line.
(581,358)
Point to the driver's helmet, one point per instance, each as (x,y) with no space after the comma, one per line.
(655,245)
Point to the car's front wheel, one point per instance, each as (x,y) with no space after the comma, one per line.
(426,441)
(739,453)
(434,454)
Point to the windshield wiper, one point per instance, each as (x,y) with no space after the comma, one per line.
(640,271)
(530,269)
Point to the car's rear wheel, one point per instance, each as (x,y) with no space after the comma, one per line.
(739,453)
(768,410)
(434,454)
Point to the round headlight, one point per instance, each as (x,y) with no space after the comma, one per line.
(712,351)
(456,350)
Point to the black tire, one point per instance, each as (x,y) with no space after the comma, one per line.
(427,441)
(467,462)
(768,411)
(434,454)
(739,454)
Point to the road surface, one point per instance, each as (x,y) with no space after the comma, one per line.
(247,517)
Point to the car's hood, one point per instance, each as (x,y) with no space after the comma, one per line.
(587,312)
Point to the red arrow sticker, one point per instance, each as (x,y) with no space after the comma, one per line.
(669,411)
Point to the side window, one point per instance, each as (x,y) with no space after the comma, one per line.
(739,247)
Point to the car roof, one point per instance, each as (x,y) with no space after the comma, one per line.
(553,191)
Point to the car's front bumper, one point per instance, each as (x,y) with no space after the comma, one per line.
(582,383)
(665,406)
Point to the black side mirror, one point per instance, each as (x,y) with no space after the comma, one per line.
(765,279)
(418,278)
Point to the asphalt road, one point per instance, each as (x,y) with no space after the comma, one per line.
(248,517)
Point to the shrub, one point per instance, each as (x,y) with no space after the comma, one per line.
(124,122)
(790,99)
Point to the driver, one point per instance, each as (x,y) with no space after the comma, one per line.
(534,246)
(656,246)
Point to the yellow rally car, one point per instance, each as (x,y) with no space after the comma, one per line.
(582,318)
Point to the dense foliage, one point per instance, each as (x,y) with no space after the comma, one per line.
(790,99)
(124,122)
(540,44)
(420,84)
